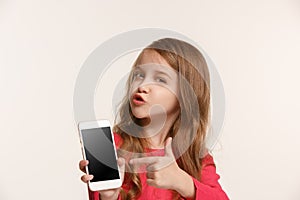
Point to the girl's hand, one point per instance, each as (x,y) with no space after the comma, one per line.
(163,172)
(105,194)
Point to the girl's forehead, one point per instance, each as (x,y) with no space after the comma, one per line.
(151,56)
(150,60)
(158,68)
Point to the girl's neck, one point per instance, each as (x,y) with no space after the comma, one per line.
(157,130)
(157,141)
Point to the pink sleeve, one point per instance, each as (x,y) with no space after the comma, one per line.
(209,188)
(93,195)
(96,196)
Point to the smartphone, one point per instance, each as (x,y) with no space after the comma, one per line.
(98,147)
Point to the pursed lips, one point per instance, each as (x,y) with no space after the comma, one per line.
(138,99)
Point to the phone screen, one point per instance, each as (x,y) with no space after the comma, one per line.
(99,151)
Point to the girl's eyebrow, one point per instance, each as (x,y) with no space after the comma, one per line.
(157,71)
(167,72)
(137,68)
(163,73)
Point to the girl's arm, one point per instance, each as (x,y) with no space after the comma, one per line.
(163,172)
(93,195)
(206,189)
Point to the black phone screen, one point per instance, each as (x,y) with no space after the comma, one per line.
(99,151)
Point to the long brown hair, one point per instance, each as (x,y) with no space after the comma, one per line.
(189,129)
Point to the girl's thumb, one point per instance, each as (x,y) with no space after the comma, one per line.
(168,147)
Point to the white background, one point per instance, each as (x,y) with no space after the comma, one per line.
(254,44)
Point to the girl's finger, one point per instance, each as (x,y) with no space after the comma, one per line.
(86,178)
(160,164)
(150,175)
(153,168)
(83,164)
(144,160)
(151,182)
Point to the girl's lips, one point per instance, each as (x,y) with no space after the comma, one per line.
(138,99)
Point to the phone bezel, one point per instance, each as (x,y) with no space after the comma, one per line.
(100,185)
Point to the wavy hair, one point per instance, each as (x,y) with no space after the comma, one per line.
(189,129)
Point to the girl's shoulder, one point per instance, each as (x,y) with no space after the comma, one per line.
(207,159)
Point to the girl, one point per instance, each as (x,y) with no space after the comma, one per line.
(161,128)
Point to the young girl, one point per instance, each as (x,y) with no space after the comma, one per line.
(161,128)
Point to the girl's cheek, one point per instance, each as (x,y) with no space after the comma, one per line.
(133,87)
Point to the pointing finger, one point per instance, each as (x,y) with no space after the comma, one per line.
(144,160)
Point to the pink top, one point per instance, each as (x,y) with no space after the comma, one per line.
(206,189)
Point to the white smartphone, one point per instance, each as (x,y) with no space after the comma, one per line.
(98,147)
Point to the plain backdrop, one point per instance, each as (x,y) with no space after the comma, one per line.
(254,44)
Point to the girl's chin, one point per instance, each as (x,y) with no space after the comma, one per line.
(140,114)
(142,117)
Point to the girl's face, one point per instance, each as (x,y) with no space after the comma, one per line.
(154,88)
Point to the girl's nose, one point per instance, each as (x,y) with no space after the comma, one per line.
(143,88)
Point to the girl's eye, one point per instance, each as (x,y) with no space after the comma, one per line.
(161,80)
(138,75)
